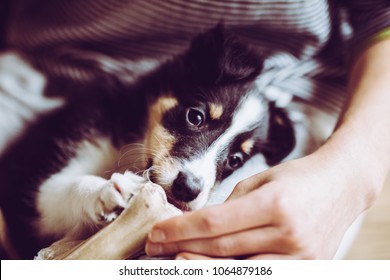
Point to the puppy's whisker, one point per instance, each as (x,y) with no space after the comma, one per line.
(158,140)
(139,151)
(146,174)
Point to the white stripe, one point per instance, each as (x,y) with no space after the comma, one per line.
(245,119)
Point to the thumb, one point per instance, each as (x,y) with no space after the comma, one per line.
(249,184)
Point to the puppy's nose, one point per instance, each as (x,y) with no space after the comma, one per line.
(186,187)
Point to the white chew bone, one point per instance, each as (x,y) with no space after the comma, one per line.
(123,238)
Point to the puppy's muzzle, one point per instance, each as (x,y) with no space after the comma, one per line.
(186,187)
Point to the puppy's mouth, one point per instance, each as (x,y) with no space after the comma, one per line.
(178,204)
(153,177)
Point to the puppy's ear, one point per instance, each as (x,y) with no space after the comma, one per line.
(217,57)
(281,136)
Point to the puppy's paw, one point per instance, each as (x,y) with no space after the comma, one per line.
(115,195)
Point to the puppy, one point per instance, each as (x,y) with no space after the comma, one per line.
(186,126)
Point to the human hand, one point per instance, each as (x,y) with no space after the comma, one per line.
(297,210)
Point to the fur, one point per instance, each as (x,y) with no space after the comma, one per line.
(186,126)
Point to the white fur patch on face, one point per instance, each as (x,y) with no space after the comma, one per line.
(246,117)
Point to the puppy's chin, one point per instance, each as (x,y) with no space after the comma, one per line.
(183,206)
(196,204)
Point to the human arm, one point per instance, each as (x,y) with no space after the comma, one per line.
(302,208)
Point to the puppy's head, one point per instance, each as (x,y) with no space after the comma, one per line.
(211,119)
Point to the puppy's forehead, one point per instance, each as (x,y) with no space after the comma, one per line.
(248,115)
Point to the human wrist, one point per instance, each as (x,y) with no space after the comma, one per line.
(356,165)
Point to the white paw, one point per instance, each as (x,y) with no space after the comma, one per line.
(115,195)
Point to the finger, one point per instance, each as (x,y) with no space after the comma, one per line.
(249,184)
(271,257)
(191,256)
(249,211)
(255,241)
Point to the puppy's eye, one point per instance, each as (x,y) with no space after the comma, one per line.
(235,161)
(195,117)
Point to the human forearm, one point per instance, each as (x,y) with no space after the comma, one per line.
(362,136)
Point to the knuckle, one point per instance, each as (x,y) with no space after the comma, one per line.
(281,209)
(294,240)
(291,237)
(309,254)
(221,247)
(211,223)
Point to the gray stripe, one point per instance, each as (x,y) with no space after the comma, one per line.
(292,34)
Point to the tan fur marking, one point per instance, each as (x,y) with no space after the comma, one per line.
(163,104)
(279,121)
(247,146)
(216,111)
(159,141)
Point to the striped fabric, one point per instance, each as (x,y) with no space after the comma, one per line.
(306,42)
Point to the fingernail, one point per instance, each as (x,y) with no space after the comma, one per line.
(153,249)
(157,235)
(180,258)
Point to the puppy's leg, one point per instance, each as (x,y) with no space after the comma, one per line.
(76,207)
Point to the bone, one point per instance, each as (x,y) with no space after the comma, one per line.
(125,237)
